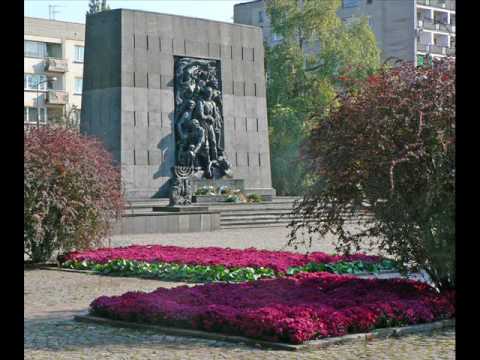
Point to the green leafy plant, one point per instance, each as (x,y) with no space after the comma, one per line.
(232,198)
(254,198)
(206,190)
(201,273)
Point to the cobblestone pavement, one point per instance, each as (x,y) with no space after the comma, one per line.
(53,297)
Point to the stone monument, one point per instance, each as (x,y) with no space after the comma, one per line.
(178,101)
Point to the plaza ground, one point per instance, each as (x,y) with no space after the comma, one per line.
(52,298)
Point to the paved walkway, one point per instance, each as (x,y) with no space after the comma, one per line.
(53,297)
(273,238)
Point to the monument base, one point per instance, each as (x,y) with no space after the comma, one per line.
(173,220)
(181,209)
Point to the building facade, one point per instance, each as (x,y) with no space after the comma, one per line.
(410,30)
(53,70)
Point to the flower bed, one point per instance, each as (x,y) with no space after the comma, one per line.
(216,264)
(293,309)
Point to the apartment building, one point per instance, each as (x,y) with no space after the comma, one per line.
(53,70)
(411,30)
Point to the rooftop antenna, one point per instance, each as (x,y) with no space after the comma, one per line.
(52,11)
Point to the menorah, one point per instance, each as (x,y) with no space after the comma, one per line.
(182,172)
(181,187)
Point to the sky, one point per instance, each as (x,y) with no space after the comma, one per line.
(74,10)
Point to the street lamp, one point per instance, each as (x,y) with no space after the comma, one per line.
(38,97)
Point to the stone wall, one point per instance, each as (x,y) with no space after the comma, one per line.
(128,98)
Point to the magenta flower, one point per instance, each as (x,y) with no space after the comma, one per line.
(279,261)
(295,309)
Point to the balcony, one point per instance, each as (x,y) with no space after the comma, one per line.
(441,4)
(56,97)
(422,47)
(56,65)
(451,51)
(436,49)
(429,24)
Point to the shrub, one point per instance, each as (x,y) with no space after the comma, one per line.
(388,149)
(71,192)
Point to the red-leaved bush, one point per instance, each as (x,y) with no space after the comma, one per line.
(71,192)
(279,261)
(295,309)
(388,148)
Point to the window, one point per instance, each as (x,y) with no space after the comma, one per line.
(54,51)
(440,17)
(30,82)
(260,17)
(30,115)
(78,85)
(424,60)
(42,49)
(420,59)
(79,53)
(369,1)
(34,49)
(350,3)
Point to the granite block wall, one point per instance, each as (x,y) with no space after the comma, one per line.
(128,98)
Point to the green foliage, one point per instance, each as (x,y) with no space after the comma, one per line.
(345,267)
(173,272)
(69,119)
(301,81)
(206,190)
(71,192)
(201,273)
(254,198)
(232,198)
(96,6)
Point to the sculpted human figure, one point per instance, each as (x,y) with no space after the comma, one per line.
(184,120)
(217,99)
(196,137)
(207,113)
(193,145)
(198,119)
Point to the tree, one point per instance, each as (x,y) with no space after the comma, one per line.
(387,150)
(302,80)
(69,119)
(96,6)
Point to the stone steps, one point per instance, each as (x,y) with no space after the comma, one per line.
(232,215)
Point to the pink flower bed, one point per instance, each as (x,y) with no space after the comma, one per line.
(279,261)
(295,309)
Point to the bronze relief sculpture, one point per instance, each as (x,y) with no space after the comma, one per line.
(198,120)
